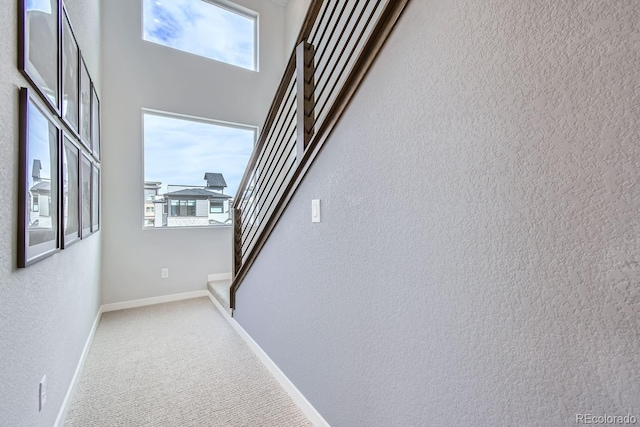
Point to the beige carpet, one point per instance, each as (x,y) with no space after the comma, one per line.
(176,364)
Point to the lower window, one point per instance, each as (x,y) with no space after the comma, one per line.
(192,169)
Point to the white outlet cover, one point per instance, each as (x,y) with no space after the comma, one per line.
(164,273)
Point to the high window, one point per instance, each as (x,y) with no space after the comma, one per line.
(217,30)
(192,169)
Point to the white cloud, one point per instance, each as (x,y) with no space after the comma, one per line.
(201,28)
(180,152)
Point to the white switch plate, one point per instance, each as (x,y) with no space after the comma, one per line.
(164,273)
(42,393)
(315,210)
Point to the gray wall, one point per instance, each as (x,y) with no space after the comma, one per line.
(478,258)
(140,74)
(47,309)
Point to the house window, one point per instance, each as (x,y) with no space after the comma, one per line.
(216,207)
(183,208)
(216,30)
(149,209)
(36,199)
(194,166)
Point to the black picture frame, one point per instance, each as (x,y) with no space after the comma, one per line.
(85,194)
(95,198)
(70,94)
(39,59)
(95,122)
(70,194)
(86,92)
(38,201)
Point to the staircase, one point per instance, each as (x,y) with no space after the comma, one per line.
(220,290)
(336,46)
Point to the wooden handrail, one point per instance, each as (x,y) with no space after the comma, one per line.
(312,139)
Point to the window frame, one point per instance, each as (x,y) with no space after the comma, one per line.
(211,206)
(205,120)
(230,7)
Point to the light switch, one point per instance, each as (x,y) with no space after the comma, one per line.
(315,210)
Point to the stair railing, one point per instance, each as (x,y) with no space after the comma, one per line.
(337,44)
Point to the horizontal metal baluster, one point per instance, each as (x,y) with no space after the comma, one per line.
(350,57)
(262,184)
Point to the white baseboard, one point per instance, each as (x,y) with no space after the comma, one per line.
(151,301)
(299,399)
(223,276)
(62,414)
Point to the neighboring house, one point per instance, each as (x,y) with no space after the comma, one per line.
(40,199)
(40,215)
(151,197)
(198,206)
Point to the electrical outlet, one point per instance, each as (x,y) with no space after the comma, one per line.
(43,392)
(164,273)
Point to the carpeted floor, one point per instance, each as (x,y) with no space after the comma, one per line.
(176,364)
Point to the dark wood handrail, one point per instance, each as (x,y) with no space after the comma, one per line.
(313,143)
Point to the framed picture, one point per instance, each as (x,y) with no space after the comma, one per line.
(70,75)
(85,194)
(38,56)
(95,199)
(38,208)
(95,122)
(70,200)
(85,104)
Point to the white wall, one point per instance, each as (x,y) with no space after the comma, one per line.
(478,259)
(295,14)
(140,74)
(47,309)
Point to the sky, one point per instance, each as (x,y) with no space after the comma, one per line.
(41,5)
(201,28)
(179,151)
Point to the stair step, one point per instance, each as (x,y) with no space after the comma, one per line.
(220,291)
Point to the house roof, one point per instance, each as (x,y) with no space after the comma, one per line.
(215,179)
(42,186)
(197,192)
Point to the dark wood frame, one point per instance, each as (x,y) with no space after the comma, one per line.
(85,223)
(75,127)
(95,197)
(67,240)
(27,68)
(95,120)
(52,246)
(86,141)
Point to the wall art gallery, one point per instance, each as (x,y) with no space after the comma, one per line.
(59,183)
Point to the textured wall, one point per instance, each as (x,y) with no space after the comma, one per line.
(46,310)
(478,258)
(140,74)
